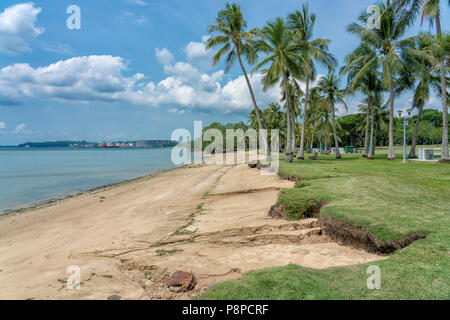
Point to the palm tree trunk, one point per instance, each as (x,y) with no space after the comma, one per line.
(366,133)
(293,126)
(288,151)
(258,114)
(445,155)
(372,142)
(294,144)
(301,156)
(412,152)
(374,139)
(391,124)
(336,143)
(289,154)
(312,140)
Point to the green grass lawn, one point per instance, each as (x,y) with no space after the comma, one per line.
(389,199)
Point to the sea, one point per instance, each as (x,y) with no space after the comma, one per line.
(32,176)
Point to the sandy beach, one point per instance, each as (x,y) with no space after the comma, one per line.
(211,220)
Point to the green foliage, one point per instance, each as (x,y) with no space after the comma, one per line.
(430,131)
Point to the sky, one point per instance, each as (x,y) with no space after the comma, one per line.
(138,69)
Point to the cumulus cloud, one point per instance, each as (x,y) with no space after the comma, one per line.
(92,78)
(18,29)
(101,79)
(164,56)
(196,53)
(2,125)
(21,129)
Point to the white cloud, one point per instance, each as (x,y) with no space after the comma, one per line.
(18,29)
(2,125)
(100,79)
(137,2)
(21,129)
(196,53)
(127,16)
(164,56)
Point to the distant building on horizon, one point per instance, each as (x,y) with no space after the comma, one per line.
(155,143)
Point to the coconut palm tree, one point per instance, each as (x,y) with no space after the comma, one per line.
(313,114)
(235,41)
(276,42)
(362,69)
(422,79)
(329,86)
(274,118)
(302,25)
(381,120)
(388,40)
(430,10)
(369,109)
(296,94)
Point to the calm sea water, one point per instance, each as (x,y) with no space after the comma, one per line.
(31,176)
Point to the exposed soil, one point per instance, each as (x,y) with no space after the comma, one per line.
(360,238)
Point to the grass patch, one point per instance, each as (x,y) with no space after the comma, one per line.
(191,219)
(163,252)
(390,200)
(298,206)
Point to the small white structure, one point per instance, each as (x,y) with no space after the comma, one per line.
(341,150)
(426,154)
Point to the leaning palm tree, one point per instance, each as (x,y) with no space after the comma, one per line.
(430,9)
(282,62)
(302,25)
(231,33)
(389,41)
(329,86)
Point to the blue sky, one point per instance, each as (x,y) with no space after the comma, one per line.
(137,69)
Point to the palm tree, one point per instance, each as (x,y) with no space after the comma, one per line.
(430,9)
(362,69)
(389,42)
(274,118)
(302,24)
(313,115)
(369,109)
(422,79)
(296,94)
(380,116)
(282,57)
(236,41)
(329,86)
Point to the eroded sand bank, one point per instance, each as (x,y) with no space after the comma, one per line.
(210,220)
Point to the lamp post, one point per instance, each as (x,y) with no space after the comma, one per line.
(400,113)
